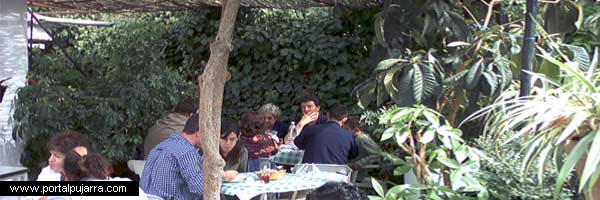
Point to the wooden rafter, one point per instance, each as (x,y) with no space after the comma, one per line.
(118,6)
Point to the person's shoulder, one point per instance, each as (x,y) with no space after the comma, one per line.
(313,128)
(48,175)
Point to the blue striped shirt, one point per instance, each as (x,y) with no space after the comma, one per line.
(173,170)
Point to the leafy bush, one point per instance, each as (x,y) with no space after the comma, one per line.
(117,89)
(433,149)
(128,75)
(279,54)
(502,173)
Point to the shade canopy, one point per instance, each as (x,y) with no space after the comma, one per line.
(114,6)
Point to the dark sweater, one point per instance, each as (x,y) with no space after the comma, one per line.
(326,144)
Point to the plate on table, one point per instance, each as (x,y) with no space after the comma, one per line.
(244,177)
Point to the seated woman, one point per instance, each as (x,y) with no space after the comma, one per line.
(79,165)
(234,154)
(271,115)
(259,144)
(368,150)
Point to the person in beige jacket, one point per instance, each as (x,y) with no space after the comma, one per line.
(172,123)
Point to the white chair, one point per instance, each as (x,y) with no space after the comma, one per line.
(136,166)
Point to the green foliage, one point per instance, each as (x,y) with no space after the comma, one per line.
(588,34)
(556,114)
(434,149)
(562,17)
(461,65)
(501,173)
(113,93)
(280,54)
(410,79)
(128,75)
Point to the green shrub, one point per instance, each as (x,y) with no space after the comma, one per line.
(503,173)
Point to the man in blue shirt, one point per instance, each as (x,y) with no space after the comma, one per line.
(328,143)
(311,113)
(173,170)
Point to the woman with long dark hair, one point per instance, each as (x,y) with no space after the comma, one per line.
(234,154)
(259,145)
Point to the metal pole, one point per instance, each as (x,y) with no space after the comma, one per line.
(528,47)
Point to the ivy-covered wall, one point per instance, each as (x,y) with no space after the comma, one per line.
(129,75)
(279,55)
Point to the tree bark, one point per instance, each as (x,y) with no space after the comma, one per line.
(211,85)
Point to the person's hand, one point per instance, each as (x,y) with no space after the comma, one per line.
(44,198)
(308,118)
(229,175)
(354,166)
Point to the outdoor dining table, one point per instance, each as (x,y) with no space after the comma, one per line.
(287,183)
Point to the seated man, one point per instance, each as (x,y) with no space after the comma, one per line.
(309,104)
(173,169)
(172,123)
(328,143)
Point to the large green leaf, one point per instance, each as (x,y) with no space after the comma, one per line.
(563,17)
(418,83)
(379,29)
(387,63)
(550,70)
(591,162)
(365,92)
(474,74)
(570,162)
(580,55)
(377,187)
(405,96)
(572,71)
(389,80)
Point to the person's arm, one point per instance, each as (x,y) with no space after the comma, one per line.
(243,161)
(300,140)
(369,145)
(353,149)
(191,171)
(306,119)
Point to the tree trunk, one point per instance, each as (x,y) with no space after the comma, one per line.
(211,84)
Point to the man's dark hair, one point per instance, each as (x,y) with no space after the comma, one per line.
(310,97)
(67,140)
(191,125)
(186,106)
(337,191)
(337,112)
